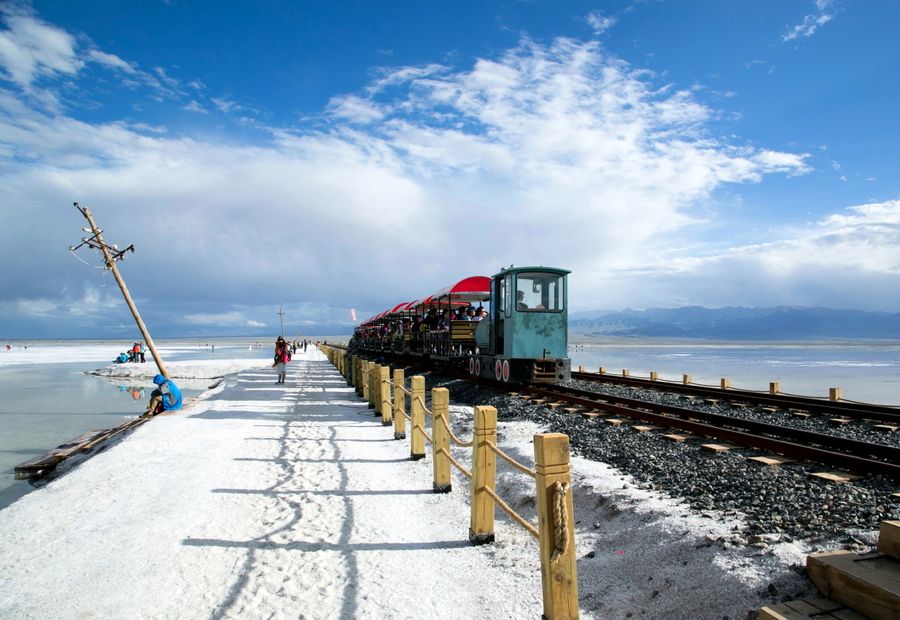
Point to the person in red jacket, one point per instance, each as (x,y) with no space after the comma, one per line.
(282,357)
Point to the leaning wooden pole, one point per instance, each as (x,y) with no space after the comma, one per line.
(111,265)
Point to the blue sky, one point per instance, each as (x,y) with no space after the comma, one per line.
(327,156)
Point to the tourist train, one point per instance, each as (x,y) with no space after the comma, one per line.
(512,327)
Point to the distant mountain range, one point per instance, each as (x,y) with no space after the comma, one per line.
(736,323)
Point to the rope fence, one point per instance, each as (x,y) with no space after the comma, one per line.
(553,490)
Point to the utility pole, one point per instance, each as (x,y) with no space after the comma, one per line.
(280,314)
(111,254)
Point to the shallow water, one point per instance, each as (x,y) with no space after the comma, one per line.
(867,372)
(51,402)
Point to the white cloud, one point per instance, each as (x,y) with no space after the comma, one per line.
(194,106)
(850,259)
(31,49)
(558,154)
(812,22)
(222,319)
(111,60)
(599,22)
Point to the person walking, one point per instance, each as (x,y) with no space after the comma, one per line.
(282,357)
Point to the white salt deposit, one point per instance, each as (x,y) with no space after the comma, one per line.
(287,501)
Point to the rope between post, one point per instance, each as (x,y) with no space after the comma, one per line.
(456,440)
(503,455)
(512,513)
(456,463)
(560,520)
(424,434)
(424,406)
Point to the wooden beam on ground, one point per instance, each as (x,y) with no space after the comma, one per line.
(835,477)
(868,583)
(770,461)
(717,447)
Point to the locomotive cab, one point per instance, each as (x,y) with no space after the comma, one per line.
(527,335)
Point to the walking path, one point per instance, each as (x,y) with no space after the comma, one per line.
(260,501)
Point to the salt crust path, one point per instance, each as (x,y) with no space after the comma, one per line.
(263,501)
(293,501)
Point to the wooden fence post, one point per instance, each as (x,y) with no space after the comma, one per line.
(686,379)
(399,404)
(373,387)
(484,470)
(386,409)
(556,522)
(365,382)
(356,373)
(774,387)
(348,369)
(834,393)
(440,405)
(417,413)
(725,383)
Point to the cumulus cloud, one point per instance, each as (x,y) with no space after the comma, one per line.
(222,319)
(849,259)
(559,154)
(824,13)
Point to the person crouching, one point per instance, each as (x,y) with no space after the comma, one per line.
(166,397)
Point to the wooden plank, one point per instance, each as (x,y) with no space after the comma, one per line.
(797,413)
(780,612)
(738,405)
(711,401)
(840,421)
(768,409)
(835,477)
(643,428)
(886,427)
(679,438)
(556,405)
(889,538)
(717,447)
(771,461)
(616,421)
(867,583)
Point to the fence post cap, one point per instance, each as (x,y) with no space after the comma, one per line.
(551,449)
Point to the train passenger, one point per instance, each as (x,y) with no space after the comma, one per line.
(444,321)
(432,320)
(520,301)
(470,314)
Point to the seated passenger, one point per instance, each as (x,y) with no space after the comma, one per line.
(470,314)
(520,301)
(444,321)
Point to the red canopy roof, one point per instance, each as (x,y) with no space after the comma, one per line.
(473,288)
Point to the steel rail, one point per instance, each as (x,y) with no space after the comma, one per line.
(883,413)
(814,446)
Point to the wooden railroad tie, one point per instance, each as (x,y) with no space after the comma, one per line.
(840,421)
(770,461)
(687,397)
(835,477)
(886,427)
(799,413)
(616,421)
(711,401)
(678,437)
(556,405)
(718,448)
(643,428)
(768,408)
(738,405)
(593,414)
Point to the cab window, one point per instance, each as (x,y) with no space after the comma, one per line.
(539,292)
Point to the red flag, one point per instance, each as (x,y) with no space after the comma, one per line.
(352,314)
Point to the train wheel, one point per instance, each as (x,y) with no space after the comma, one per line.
(498,370)
(471,365)
(505,371)
(478,367)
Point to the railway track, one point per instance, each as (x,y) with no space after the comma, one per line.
(861,457)
(857,456)
(838,408)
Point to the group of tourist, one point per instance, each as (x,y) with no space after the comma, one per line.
(134,354)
